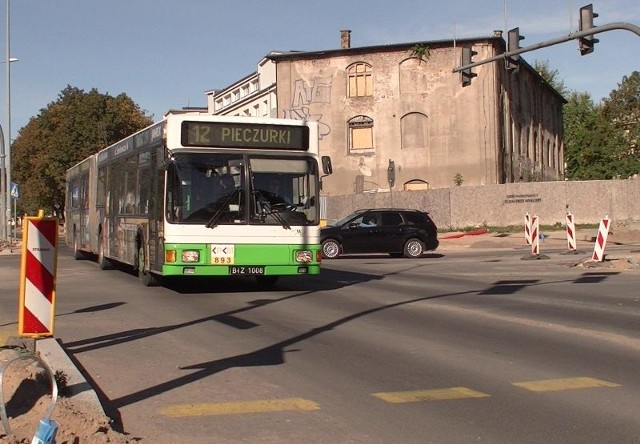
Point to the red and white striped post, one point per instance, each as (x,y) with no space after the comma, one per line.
(571,232)
(527,229)
(535,236)
(38,276)
(601,240)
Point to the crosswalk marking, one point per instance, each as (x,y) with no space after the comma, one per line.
(430,395)
(549,385)
(233,408)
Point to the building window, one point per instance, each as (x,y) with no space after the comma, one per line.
(360,135)
(360,80)
(236,95)
(245,90)
(414,131)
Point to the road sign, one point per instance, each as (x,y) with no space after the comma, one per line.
(15,191)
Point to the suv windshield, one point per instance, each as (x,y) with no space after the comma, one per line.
(215,189)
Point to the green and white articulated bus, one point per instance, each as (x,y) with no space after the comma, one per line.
(202,195)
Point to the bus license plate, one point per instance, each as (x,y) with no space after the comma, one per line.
(246,270)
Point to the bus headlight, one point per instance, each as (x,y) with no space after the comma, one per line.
(190,256)
(304,256)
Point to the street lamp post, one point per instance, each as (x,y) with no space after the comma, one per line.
(7,216)
(3,209)
(5,184)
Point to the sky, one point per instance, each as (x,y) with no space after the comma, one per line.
(165,54)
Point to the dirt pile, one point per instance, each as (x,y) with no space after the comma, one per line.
(27,397)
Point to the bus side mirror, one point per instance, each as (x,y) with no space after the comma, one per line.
(326,165)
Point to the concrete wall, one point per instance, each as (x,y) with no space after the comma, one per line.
(506,204)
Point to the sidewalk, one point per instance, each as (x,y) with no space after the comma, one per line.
(483,239)
(7,247)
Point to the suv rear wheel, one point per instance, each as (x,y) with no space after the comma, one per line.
(413,248)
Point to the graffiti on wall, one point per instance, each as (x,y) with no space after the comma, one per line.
(304,96)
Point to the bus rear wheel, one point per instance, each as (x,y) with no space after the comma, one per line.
(147,278)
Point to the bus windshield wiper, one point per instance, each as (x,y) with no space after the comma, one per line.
(213,222)
(265,207)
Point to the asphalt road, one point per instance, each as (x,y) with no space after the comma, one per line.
(460,346)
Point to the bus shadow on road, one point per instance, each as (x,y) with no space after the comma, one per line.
(327,280)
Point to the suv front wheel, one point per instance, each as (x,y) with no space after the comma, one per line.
(413,248)
(330,249)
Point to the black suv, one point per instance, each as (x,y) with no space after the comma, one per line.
(383,230)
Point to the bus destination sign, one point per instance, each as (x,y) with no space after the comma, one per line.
(245,135)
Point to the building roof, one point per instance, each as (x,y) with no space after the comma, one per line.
(496,37)
(293,54)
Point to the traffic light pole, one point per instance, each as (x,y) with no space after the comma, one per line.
(576,35)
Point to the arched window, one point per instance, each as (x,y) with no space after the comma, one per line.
(360,135)
(359,80)
(414,127)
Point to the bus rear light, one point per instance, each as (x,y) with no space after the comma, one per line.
(190,256)
(304,256)
(170,256)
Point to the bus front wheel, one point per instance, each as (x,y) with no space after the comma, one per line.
(77,253)
(103,262)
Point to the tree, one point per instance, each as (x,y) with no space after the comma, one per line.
(551,76)
(594,148)
(68,130)
(622,110)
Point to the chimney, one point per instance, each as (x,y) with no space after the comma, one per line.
(345,38)
(497,33)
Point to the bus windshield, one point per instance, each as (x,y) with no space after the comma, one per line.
(219,188)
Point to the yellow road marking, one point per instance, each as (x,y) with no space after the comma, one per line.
(430,395)
(549,385)
(233,408)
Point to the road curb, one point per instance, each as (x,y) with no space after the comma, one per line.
(78,388)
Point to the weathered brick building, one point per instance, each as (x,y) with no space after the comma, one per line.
(402,104)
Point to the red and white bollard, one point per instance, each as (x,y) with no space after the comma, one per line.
(527,229)
(38,276)
(535,236)
(601,240)
(571,232)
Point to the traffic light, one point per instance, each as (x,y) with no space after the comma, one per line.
(586,23)
(391,173)
(513,44)
(467,59)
